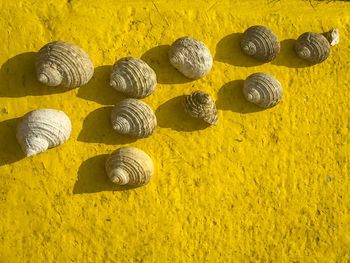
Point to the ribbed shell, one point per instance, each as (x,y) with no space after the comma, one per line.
(42,129)
(133,77)
(133,117)
(260,43)
(129,165)
(62,63)
(313,47)
(191,57)
(263,90)
(200,105)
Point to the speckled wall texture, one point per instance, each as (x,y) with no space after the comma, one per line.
(262,185)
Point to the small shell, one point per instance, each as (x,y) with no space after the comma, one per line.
(62,63)
(133,117)
(42,129)
(191,57)
(129,165)
(260,43)
(315,47)
(200,105)
(133,77)
(263,90)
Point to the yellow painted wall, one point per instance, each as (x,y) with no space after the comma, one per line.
(263,185)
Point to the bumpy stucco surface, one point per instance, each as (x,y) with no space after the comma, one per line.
(263,185)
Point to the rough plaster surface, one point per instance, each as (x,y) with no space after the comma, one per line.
(262,185)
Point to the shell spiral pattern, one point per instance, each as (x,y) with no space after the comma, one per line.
(200,105)
(129,165)
(133,117)
(191,57)
(62,63)
(315,47)
(42,129)
(260,43)
(263,90)
(133,77)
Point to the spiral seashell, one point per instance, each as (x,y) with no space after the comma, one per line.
(62,63)
(263,90)
(260,43)
(42,129)
(129,165)
(133,117)
(191,57)
(315,47)
(200,105)
(133,77)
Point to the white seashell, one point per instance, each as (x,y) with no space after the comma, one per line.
(129,165)
(133,77)
(42,129)
(133,117)
(62,63)
(191,57)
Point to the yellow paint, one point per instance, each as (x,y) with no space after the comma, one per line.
(270,185)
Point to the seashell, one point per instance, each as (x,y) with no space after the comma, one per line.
(133,77)
(263,90)
(200,105)
(129,165)
(260,43)
(315,47)
(133,117)
(62,63)
(42,129)
(191,57)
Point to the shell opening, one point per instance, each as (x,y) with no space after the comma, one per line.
(249,48)
(118,82)
(121,125)
(49,75)
(119,176)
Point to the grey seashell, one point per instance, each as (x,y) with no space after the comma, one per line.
(315,47)
(133,117)
(129,165)
(260,43)
(42,129)
(191,57)
(263,90)
(200,105)
(62,63)
(133,77)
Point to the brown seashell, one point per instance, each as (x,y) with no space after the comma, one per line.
(62,63)
(263,90)
(129,165)
(200,105)
(315,47)
(191,57)
(133,77)
(133,117)
(260,43)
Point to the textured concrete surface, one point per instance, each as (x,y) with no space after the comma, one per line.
(263,185)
